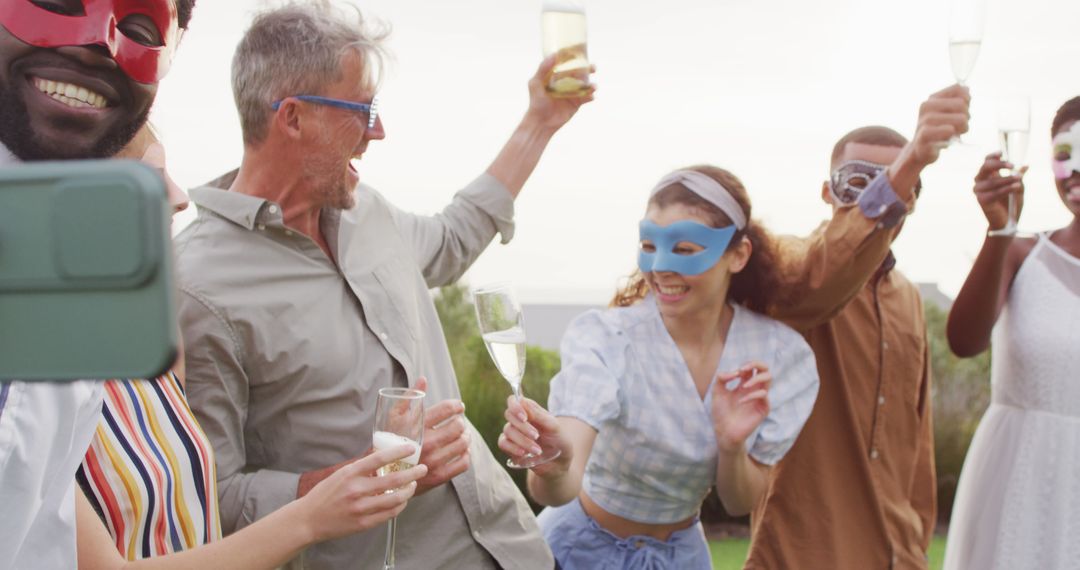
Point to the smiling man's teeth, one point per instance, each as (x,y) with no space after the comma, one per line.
(71,95)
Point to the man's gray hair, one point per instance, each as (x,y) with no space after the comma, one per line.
(296,49)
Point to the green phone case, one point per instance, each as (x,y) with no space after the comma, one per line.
(86,287)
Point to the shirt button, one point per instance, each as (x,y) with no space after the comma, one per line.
(384,336)
(272,209)
(476,534)
(873,454)
(881,400)
(885,345)
(262,227)
(288,233)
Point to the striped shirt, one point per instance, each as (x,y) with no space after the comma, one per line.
(150,471)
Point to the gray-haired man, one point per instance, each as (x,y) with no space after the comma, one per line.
(303,294)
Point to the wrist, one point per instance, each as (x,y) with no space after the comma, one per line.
(995,235)
(904,172)
(554,469)
(303,519)
(534,126)
(728,448)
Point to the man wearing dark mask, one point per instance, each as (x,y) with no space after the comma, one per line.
(857,490)
(77,79)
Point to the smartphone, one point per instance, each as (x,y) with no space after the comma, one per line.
(86,282)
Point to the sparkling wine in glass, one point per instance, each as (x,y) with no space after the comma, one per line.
(966,21)
(562,25)
(399,419)
(1014,129)
(502,327)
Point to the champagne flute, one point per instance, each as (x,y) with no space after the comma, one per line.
(399,419)
(966,19)
(562,25)
(502,327)
(1014,128)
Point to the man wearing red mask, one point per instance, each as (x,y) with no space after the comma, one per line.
(77,80)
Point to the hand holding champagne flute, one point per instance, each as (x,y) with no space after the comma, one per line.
(1014,128)
(966,18)
(399,419)
(563,30)
(502,327)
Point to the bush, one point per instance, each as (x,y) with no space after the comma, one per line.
(961,393)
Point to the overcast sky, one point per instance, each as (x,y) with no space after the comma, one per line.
(760,87)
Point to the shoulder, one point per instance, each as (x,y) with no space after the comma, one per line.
(612,321)
(607,333)
(768,327)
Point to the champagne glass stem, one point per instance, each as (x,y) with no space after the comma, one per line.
(391,539)
(517,392)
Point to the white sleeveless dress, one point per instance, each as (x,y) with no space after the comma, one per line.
(1018,501)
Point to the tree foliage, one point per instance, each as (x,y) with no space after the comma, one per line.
(961,393)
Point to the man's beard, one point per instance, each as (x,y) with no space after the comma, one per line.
(19,138)
(332,191)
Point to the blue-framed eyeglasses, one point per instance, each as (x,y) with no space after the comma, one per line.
(371,109)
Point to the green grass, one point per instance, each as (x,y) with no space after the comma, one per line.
(730,554)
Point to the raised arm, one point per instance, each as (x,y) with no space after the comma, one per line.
(823,272)
(448,243)
(545,116)
(976,309)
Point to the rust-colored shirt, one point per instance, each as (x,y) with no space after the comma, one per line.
(857,491)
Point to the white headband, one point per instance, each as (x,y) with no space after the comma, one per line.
(708,188)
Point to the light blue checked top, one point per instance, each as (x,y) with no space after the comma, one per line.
(655,454)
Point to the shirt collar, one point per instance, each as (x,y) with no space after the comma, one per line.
(885,268)
(240,209)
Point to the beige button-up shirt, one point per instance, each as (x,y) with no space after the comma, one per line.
(286,351)
(857,490)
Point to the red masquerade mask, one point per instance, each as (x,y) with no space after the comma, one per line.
(101,25)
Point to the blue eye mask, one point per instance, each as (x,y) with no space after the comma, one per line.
(666,238)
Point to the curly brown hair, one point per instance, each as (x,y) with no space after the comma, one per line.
(755,285)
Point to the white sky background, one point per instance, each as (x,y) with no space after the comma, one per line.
(760,87)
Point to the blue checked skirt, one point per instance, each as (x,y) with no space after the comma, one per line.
(579,543)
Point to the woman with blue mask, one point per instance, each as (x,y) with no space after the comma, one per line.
(680,387)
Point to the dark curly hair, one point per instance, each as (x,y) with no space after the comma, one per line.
(1070,111)
(183,9)
(754,286)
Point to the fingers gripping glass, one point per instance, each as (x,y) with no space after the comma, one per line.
(371,109)
(1014,126)
(399,419)
(502,326)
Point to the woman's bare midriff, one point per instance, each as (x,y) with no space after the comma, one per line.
(624,528)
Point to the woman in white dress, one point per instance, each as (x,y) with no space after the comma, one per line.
(1018,502)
